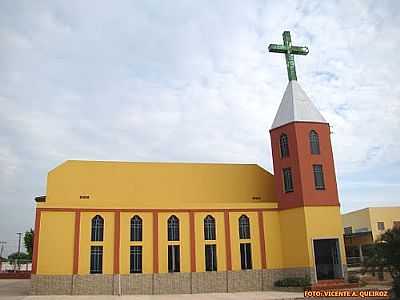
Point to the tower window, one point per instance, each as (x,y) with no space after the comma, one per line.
(318,177)
(245,256)
(284,145)
(96,259)
(244,227)
(173,258)
(173,229)
(211,257)
(287,180)
(136,229)
(314,142)
(381,225)
(136,259)
(97,228)
(209,228)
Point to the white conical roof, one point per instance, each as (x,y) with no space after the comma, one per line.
(296,106)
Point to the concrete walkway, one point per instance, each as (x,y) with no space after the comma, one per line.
(18,289)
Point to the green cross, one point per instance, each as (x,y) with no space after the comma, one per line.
(289,51)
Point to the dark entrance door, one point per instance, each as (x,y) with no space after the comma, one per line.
(327,259)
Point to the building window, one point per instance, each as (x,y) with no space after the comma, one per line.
(318,177)
(173,258)
(284,145)
(396,224)
(287,180)
(381,225)
(136,229)
(173,229)
(245,256)
(244,227)
(314,142)
(209,228)
(211,257)
(348,230)
(136,259)
(96,259)
(97,228)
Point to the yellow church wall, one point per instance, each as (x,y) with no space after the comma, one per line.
(273,243)
(184,241)
(124,184)
(254,239)
(125,243)
(318,227)
(201,242)
(295,248)
(56,242)
(86,243)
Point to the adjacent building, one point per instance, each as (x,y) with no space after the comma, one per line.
(363,227)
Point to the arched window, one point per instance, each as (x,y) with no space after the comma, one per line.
(136,229)
(97,228)
(284,145)
(173,228)
(314,142)
(209,228)
(244,227)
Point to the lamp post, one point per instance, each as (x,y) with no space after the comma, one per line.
(19,248)
(2,243)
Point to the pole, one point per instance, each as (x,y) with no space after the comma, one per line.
(2,243)
(19,247)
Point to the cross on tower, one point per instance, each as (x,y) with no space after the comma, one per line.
(289,51)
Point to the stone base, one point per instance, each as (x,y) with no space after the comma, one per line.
(165,283)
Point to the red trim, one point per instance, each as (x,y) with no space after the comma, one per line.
(155,242)
(158,210)
(192,243)
(228,241)
(76,241)
(117,234)
(36,241)
(262,240)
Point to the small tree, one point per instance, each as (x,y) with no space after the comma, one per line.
(391,252)
(22,256)
(385,255)
(28,242)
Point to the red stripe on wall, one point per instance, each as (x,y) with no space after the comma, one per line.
(117,225)
(76,241)
(155,242)
(262,240)
(228,241)
(192,243)
(36,241)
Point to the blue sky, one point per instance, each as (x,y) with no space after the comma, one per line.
(185,81)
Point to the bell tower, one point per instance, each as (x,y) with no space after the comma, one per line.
(301,146)
(305,182)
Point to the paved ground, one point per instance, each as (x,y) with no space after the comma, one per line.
(14,289)
(18,289)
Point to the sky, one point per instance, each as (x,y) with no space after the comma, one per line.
(186,81)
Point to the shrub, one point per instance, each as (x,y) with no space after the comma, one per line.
(293,282)
(353,279)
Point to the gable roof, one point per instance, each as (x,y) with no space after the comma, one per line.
(296,106)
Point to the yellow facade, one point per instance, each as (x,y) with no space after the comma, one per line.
(367,219)
(56,257)
(87,189)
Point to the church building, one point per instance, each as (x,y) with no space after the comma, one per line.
(158,228)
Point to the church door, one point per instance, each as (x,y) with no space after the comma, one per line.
(327,259)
